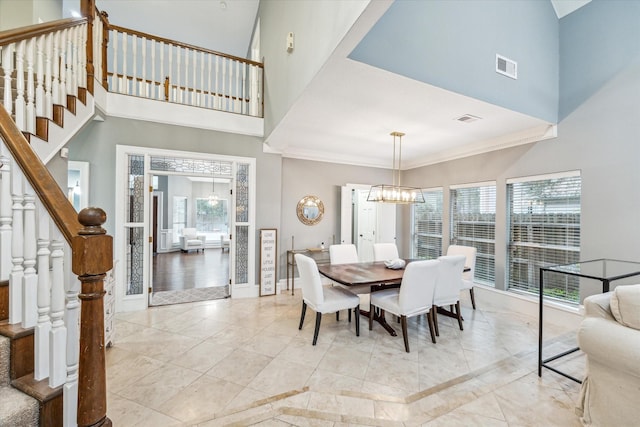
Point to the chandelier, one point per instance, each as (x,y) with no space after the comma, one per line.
(395,193)
(213,197)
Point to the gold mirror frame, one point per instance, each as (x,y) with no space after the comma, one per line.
(310,210)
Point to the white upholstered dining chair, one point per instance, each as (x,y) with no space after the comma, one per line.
(343,254)
(323,299)
(467,277)
(448,286)
(414,297)
(385,251)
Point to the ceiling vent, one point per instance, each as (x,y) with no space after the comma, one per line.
(467,118)
(506,66)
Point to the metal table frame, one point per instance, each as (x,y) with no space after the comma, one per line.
(573,269)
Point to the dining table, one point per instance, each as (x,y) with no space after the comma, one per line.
(368,277)
(365,277)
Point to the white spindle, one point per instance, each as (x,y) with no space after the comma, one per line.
(30,278)
(210,92)
(58,341)
(216,98)
(115,85)
(72,60)
(224,82)
(82,56)
(244,107)
(40,106)
(72,319)
(30,122)
(43,328)
(17,272)
(134,65)
(55,77)
(171,81)
(5,215)
(201,99)
(7,68)
(194,85)
(48,55)
(143,80)
(97,48)
(161,77)
(64,57)
(20,104)
(125,78)
(178,76)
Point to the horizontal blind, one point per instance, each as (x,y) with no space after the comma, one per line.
(473,223)
(544,230)
(427,226)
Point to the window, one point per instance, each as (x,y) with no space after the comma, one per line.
(427,225)
(212,218)
(473,223)
(544,230)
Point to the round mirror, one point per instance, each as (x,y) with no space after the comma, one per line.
(310,210)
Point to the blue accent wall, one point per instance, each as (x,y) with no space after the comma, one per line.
(453,44)
(597,41)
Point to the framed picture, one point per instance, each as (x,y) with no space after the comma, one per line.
(268,261)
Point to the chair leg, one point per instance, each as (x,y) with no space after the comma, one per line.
(349,315)
(304,311)
(435,319)
(459,316)
(431,327)
(315,333)
(357,314)
(337,316)
(403,320)
(473,298)
(372,309)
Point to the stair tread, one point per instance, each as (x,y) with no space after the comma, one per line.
(39,390)
(17,409)
(14,331)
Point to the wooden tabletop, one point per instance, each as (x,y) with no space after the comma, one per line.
(361,273)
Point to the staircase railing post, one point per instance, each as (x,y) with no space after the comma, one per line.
(92,258)
(88,8)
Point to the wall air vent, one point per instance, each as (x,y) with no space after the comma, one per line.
(506,66)
(467,118)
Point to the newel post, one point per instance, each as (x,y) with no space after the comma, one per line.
(92,258)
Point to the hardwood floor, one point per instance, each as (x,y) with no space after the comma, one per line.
(179,271)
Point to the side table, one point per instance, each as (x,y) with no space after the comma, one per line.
(604,270)
(321,256)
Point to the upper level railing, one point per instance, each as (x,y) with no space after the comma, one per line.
(153,67)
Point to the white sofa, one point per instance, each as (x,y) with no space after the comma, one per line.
(610,337)
(190,239)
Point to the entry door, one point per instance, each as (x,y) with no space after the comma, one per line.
(366,226)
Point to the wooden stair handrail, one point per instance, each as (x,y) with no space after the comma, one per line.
(44,185)
(22,33)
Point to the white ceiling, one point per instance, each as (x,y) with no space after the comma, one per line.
(347,112)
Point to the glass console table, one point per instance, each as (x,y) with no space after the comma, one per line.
(604,270)
(321,256)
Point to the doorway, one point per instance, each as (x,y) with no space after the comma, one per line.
(193,202)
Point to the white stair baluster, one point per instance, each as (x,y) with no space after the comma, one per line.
(244,106)
(72,55)
(30,121)
(17,240)
(48,57)
(178,75)
(40,106)
(161,76)
(5,215)
(55,76)
(43,328)
(58,342)
(30,278)
(82,56)
(217,85)
(115,85)
(201,97)
(144,91)
(209,103)
(194,84)
(171,81)
(124,82)
(7,68)
(63,67)
(134,65)
(72,320)
(20,103)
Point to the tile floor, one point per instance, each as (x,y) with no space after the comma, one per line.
(245,363)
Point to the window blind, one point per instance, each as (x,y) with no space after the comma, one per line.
(544,230)
(473,223)
(427,226)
